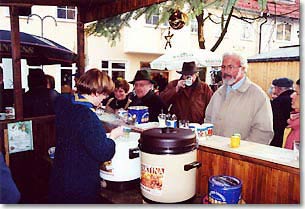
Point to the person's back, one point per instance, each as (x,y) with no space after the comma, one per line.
(281,108)
(37,101)
(9,193)
(51,85)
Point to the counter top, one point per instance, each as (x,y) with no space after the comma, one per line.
(255,150)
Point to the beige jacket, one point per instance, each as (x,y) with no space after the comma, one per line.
(246,111)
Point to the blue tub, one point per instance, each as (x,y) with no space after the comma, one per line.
(224,190)
(140,112)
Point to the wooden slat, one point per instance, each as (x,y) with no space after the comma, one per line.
(262,183)
(263,73)
(116,7)
(31,169)
(95,9)
(7,158)
(80,42)
(16,59)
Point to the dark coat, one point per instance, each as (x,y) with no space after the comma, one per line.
(38,102)
(9,193)
(281,108)
(188,103)
(113,104)
(154,103)
(81,146)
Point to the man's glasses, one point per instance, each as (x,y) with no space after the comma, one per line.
(229,67)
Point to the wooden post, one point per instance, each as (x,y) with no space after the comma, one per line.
(6,148)
(80,42)
(15,46)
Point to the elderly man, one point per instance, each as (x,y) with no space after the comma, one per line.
(240,106)
(145,96)
(188,95)
(281,108)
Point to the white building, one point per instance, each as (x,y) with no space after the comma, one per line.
(141,43)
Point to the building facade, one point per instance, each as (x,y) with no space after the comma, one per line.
(249,32)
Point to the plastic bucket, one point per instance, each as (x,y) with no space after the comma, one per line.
(140,112)
(224,190)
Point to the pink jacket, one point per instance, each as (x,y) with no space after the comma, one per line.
(294,135)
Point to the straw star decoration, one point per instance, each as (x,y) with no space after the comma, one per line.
(168,39)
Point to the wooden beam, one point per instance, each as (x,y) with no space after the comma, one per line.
(114,8)
(80,42)
(53,2)
(95,9)
(16,59)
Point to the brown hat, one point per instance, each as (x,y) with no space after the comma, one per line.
(188,68)
(142,75)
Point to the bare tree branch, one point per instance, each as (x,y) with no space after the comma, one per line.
(224,31)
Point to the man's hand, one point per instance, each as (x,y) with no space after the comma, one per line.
(180,84)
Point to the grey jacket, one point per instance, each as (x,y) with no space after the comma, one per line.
(246,111)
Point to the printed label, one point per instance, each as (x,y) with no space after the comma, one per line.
(107,168)
(152,179)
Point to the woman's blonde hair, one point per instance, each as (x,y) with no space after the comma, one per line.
(94,81)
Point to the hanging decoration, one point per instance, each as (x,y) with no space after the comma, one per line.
(177,19)
(168,38)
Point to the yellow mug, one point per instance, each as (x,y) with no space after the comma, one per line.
(235,141)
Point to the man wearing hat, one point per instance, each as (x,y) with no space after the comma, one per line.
(145,96)
(281,108)
(189,96)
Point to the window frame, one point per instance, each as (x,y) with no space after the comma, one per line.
(194,26)
(245,27)
(284,24)
(110,68)
(66,9)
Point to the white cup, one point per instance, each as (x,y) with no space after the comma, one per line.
(162,120)
(2,116)
(10,112)
(188,81)
(296,149)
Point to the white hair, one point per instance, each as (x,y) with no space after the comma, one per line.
(242,59)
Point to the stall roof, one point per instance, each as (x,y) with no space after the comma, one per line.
(288,53)
(91,10)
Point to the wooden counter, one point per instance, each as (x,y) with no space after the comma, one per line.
(270,175)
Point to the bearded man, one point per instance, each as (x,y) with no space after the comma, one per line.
(240,106)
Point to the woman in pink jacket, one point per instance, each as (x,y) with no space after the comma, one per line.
(292,131)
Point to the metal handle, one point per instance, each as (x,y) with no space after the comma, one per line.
(192,165)
(134,153)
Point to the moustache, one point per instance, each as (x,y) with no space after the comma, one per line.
(225,75)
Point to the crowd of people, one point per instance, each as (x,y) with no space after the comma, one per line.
(237,106)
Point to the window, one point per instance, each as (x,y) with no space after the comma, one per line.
(247,31)
(153,20)
(114,69)
(66,12)
(283,32)
(287,1)
(194,26)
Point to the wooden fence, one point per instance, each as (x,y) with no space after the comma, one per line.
(31,169)
(263,73)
